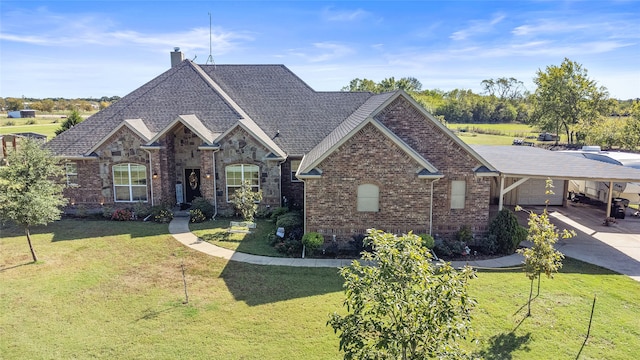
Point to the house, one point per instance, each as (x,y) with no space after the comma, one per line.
(349,160)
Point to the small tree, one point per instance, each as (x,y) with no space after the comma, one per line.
(72,120)
(31,188)
(246,200)
(399,305)
(542,257)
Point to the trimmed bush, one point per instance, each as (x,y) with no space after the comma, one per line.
(121,215)
(277,212)
(196,216)
(508,233)
(161,214)
(290,221)
(204,205)
(141,210)
(312,241)
(427,241)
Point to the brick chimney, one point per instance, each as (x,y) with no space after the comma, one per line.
(176,56)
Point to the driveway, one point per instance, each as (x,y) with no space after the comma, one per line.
(615,247)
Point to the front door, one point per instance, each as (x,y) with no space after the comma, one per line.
(192,184)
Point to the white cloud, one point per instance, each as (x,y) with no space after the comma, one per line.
(477,27)
(323,51)
(329,14)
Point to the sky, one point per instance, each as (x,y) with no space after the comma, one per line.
(78,49)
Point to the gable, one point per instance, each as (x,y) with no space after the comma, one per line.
(428,136)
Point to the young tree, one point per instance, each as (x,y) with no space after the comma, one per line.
(246,200)
(73,119)
(399,305)
(542,257)
(566,97)
(31,188)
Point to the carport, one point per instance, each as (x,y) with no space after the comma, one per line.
(524,163)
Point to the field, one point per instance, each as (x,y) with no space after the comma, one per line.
(106,291)
(494,134)
(45,125)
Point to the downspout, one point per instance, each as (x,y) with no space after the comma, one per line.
(150,176)
(215,189)
(431,208)
(304,207)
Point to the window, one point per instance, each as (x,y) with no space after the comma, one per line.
(368,195)
(71,172)
(458,194)
(295,164)
(130,182)
(237,174)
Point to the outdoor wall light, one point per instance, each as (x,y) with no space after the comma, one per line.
(155,175)
(208,175)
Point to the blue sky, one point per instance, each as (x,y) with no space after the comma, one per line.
(105,48)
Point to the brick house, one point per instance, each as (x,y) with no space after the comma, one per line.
(350,161)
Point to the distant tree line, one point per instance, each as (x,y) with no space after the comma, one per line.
(50,105)
(565,102)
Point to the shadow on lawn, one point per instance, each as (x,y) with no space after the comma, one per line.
(501,346)
(75,229)
(261,284)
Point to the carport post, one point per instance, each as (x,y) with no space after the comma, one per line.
(501,199)
(610,196)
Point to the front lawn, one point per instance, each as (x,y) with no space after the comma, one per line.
(105,291)
(255,242)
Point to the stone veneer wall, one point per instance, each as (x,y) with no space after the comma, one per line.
(239,147)
(95,177)
(369,157)
(408,123)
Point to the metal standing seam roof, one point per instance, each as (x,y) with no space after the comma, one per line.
(527,161)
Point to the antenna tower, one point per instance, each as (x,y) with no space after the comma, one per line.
(210,58)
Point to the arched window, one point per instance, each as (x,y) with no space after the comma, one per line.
(129,182)
(368,198)
(237,174)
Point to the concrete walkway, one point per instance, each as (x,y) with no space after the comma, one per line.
(179,228)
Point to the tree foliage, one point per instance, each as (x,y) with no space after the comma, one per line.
(31,188)
(246,200)
(508,233)
(72,120)
(409,84)
(400,306)
(565,98)
(542,257)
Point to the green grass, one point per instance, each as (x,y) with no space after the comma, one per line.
(495,134)
(44,126)
(105,291)
(255,242)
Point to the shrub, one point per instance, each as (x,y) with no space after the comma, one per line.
(427,241)
(246,200)
(442,248)
(290,247)
(507,231)
(161,214)
(263,212)
(277,212)
(290,221)
(196,216)
(9,123)
(31,122)
(141,210)
(358,244)
(107,212)
(121,215)
(312,241)
(204,206)
(464,234)
(489,245)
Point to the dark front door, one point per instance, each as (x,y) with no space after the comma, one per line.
(192,184)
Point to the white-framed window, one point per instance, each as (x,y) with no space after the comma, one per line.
(237,174)
(458,194)
(368,198)
(71,173)
(295,164)
(129,182)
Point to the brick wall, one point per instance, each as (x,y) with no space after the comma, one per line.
(404,200)
(451,159)
(292,190)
